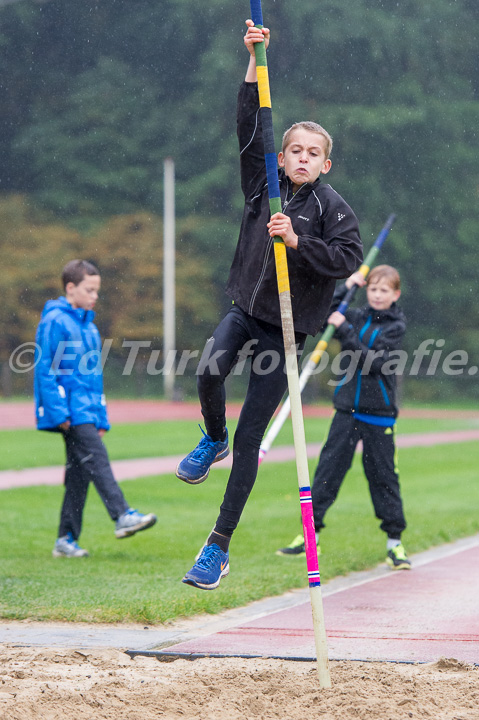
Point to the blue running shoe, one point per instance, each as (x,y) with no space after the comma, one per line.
(211,566)
(195,467)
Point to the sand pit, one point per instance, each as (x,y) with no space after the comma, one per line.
(52,684)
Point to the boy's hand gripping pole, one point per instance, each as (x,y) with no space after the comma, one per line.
(291,359)
(323,342)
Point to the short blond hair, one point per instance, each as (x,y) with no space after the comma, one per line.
(385,272)
(310,127)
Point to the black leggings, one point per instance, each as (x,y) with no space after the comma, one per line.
(237,336)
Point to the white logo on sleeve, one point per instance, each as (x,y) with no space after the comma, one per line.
(340,216)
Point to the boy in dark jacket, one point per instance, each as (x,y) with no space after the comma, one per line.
(322,241)
(69,399)
(366,409)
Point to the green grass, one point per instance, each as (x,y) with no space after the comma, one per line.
(123,441)
(31,448)
(139,579)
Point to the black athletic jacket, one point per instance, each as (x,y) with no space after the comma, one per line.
(367,330)
(329,245)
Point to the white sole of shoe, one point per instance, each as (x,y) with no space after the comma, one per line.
(201,586)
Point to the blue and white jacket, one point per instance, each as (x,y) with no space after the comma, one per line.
(68,382)
(372,393)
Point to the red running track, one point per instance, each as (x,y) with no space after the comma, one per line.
(16,415)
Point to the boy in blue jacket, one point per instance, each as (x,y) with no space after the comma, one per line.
(366,409)
(69,399)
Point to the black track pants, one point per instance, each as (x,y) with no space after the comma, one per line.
(87,461)
(379,467)
(237,336)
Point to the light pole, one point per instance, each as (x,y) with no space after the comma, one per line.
(169,339)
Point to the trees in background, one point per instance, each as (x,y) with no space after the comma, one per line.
(93,96)
(127,248)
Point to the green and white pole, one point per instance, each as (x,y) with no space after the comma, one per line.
(322,344)
(291,359)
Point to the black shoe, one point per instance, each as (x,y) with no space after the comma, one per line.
(397,559)
(296,548)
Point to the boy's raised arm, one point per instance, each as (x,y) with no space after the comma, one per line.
(253,36)
(249,130)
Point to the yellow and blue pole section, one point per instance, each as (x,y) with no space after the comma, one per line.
(322,343)
(291,359)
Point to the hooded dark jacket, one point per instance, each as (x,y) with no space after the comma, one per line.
(68,382)
(329,245)
(367,330)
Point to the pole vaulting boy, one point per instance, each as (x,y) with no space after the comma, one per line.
(321,235)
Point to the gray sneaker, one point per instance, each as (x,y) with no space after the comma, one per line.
(66,546)
(132,522)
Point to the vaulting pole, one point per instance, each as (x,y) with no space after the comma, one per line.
(291,359)
(322,344)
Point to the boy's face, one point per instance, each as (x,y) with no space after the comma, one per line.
(304,158)
(85,294)
(381,295)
